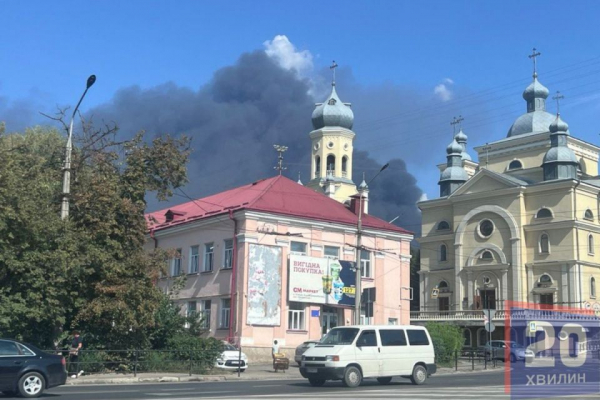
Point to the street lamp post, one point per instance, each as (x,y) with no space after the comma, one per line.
(358,286)
(64,207)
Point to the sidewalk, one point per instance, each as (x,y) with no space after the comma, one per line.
(254,372)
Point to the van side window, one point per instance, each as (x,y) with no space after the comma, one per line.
(392,337)
(367,339)
(417,337)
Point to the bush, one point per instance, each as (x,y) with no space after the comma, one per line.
(203,351)
(447,340)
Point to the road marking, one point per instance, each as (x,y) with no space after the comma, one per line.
(192,393)
(257,386)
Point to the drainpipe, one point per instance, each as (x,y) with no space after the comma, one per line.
(154,238)
(233,277)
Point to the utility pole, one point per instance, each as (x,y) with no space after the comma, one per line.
(358,285)
(64,207)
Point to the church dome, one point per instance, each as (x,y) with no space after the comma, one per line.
(454,173)
(535,121)
(535,90)
(560,154)
(454,148)
(558,125)
(461,138)
(333,112)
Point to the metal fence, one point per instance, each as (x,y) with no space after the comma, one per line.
(134,361)
(471,359)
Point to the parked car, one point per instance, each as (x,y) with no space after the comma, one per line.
(27,370)
(230,359)
(352,353)
(495,349)
(302,348)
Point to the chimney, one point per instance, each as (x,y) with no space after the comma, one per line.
(171,215)
(355,203)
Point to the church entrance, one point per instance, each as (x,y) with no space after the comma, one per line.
(444,303)
(546,301)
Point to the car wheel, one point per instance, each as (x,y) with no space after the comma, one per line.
(384,381)
(419,375)
(316,382)
(243,370)
(352,377)
(512,358)
(31,384)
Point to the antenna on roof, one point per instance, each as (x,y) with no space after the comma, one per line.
(280,149)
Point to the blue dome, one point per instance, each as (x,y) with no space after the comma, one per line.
(559,125)
(333,112)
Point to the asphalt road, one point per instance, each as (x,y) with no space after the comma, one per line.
(489,385)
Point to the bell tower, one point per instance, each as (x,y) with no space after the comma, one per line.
(332,146)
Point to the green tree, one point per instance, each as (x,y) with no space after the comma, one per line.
(90,272)
(447,340)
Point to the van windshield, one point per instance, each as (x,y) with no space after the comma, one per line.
(338,336)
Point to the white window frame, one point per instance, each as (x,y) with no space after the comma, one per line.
(336,257)
(224,314)
(227,254)
(209,257)
(176,264)
(363,319)
(194,266)
(296,317)
(302,253)
(366,270)
(205,313)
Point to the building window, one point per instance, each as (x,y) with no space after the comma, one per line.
(296,315)
(593,287)
(191,308)
(317,166)
(344,166)
(545,280)
(392,321)
(443,255)
(589,215)
(209,257)
(591,244)
(194,259)
(515,164)
(331,165)
(176,264)
(225,313)
(298,248)
(205,322)
(365,264)
(487,256)
(544,244)
(228,256)
(332,252)
(467,338)
(486,228)
(443,225)
(544,213)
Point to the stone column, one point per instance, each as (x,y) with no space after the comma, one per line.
(564,284)
(469,289)
(530,284)
(504,288)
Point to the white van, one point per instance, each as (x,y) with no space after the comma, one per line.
(351,353)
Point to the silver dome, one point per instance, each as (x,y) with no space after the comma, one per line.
(535,121)
(535,90)
(558,125)
(333,112)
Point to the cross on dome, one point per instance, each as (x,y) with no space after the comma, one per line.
(533,56)
(558,97)
(332,68)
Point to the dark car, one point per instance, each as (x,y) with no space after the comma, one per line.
(28,371)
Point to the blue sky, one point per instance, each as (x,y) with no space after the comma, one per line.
(49,49)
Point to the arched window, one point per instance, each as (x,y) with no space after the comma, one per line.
(515,164)
(544,213)
(331,164)
(545,280)
(487,255)
(344,166)
(467,338)
(591,244)
(593,287)
(317,166)
(443,225)
(588,214)
(442,285)
(443,253)
(544,243)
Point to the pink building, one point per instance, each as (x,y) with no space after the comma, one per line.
(235,249)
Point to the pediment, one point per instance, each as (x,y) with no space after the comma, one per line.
(485,181)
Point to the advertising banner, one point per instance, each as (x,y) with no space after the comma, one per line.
(264,285)
(321,280)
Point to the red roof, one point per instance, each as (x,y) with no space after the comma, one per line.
(278,195)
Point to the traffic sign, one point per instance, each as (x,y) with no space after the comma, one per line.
(434,293)
(488,315)
(532,327)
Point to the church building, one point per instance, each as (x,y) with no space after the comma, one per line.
(521,225)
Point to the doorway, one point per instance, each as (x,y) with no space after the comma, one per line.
(329,320)
(444,303)
(546,301)
(488,297)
